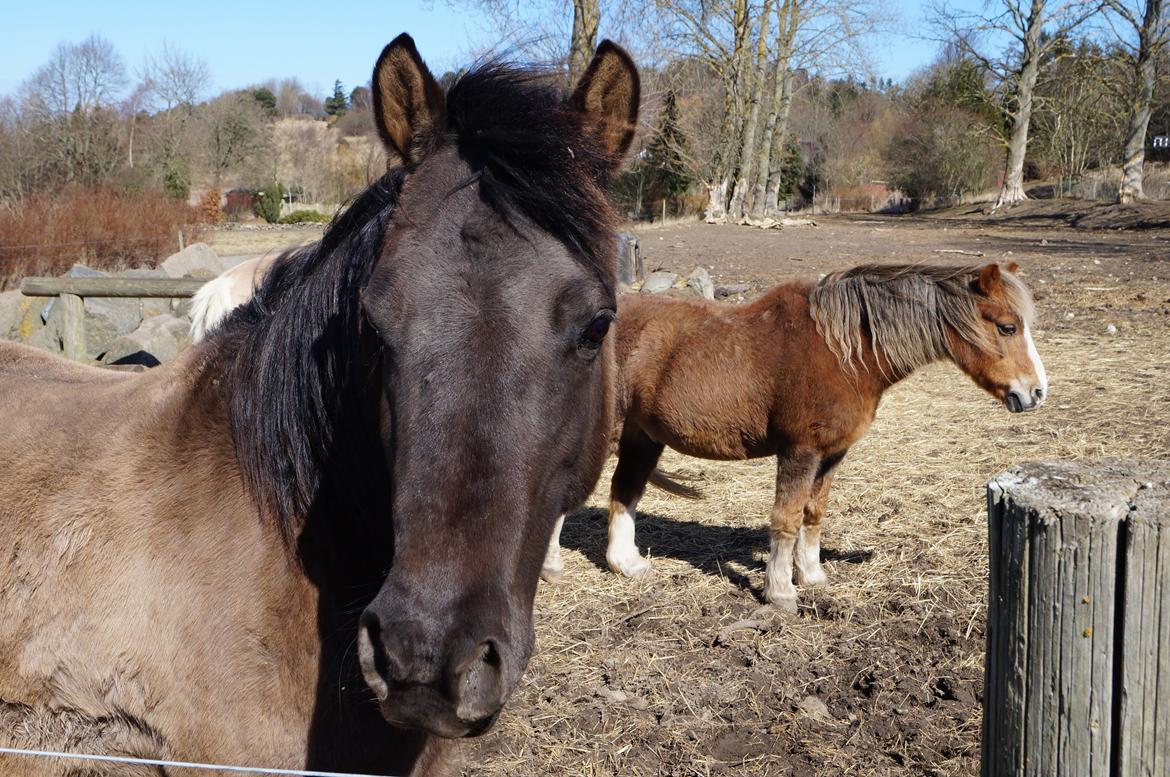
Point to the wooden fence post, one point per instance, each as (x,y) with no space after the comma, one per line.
(72,326)
(1077,673)
(629,260)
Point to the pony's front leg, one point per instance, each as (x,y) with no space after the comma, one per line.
(809,571)
(637,457)
(554,566)
(794,481)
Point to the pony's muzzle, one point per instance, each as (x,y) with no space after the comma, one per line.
(1020,400)
(455,692)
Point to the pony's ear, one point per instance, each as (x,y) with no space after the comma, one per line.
(608,94)
(1013,268)
(989,279)
(409,105)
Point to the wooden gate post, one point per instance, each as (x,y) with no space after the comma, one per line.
(1077,674)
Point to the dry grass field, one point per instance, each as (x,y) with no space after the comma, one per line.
(881,671)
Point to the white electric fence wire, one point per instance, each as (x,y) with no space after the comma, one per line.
(174,764)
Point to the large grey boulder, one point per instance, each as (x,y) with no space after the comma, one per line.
(106,319)
(700,281)
(158,339)
(10,312)
(195,261)
(20,316)
(658,282)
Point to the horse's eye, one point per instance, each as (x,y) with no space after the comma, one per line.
(1007,330)
(595,333)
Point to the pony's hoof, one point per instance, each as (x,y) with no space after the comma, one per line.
(812,579)
(783,603)
(635,568)
(552,574)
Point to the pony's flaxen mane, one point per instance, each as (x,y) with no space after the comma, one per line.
(294,353)
(905,311)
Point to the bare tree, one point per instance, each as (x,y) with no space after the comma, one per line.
(1143,34)
(828,35)
(71,100)
(81,77)
(177,78)
(586,20)
(556,32)
(1023,33)
(747,156)
(231,129)
(718,32)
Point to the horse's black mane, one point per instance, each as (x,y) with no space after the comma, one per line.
(297,357)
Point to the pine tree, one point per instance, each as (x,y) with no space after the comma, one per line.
(667,151)
(337,104)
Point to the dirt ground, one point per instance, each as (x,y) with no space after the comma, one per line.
(881,671)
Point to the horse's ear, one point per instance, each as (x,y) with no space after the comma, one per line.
(989,279)
(608,94)
(1013,268)
(409,105)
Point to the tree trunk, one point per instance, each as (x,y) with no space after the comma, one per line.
(724,163)
(786,23)
(1013,182)
(747,157)
(1149,40)
(775,166)
(586,19)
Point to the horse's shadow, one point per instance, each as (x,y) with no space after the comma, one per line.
(730,552)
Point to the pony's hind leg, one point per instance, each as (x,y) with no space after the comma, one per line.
(637,457)
(809,571)
(795,473)
(554,566)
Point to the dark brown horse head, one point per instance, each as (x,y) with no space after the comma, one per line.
(491,302)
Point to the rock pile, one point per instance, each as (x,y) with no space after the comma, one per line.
(118,330)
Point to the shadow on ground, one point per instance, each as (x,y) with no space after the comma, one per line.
(729,552)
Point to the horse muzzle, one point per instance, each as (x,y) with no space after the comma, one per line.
(450,688)
(1021,401)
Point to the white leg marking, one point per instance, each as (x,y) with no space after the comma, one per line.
(622,554)
(554,565)
(1037,365)
(809,571)
(778,587)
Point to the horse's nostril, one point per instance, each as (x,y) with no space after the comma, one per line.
(479,682)
(1038,393)
(372,634)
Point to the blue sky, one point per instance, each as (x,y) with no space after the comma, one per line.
(246,42)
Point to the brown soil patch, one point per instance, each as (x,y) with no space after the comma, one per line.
(881,672)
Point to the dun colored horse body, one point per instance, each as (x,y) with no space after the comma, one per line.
(798,374)
(313,540)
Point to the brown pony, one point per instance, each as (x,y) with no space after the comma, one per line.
(798,374)
(313,540)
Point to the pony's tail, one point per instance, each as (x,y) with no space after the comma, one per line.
(661,480)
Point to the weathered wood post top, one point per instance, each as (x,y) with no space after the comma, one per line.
(1078,625)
